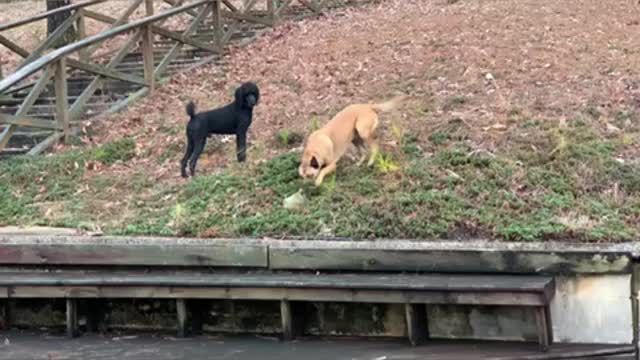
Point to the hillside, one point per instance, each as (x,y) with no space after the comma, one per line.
(523,126)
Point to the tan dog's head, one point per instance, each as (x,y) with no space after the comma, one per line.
(318,149)
(309,165)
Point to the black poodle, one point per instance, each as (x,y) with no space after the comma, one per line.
(234,118)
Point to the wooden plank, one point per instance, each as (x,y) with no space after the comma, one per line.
(255,293)
(27,103)
(106,72)
(160,31)
(44,15)
(62,100)
(72,318)
(416,318)
(474,283)
(76,108)
(51,40)
(179,3)
(81,65)
(46,143)
(134,255)
(248,17)
(29,122)
(448,261)
(119,21)
(229,5)
(14,47)
(181,314)
(54,55)
(184,39)
(168,58)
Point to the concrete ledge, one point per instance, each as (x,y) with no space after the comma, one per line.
(381,255)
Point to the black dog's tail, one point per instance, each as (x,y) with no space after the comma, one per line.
(191,109)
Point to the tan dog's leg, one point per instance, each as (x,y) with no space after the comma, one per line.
(363,157)
(366,127)
(324,172)
(373,150)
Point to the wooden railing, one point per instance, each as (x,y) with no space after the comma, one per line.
(40,70)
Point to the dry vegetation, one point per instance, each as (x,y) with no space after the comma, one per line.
(523,125)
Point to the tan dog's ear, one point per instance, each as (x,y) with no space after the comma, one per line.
(314,163)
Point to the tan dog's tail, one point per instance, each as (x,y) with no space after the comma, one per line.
(389,105)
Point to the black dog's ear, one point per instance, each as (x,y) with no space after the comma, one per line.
(314,163)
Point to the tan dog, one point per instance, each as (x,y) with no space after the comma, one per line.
(355,125)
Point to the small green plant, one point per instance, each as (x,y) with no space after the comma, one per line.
(315,124)
(439,137)
(398,133)
(121,150)
(385,163)
(288,138)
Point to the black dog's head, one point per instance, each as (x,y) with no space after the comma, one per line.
(247,95)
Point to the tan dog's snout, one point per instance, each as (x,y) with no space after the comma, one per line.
(308,169)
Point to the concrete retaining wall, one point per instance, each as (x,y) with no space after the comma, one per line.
(592,303)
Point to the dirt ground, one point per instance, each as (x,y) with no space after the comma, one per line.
(488,63)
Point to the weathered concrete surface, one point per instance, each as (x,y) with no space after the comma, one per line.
(21,346)
(593,309)
(586,309)
(379,255)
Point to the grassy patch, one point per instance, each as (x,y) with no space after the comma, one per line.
(570,186)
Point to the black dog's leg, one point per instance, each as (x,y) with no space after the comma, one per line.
(197,150)
(185,159)
(241,142)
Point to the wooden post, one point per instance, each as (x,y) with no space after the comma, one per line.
(82,33)
(543,328)
(292,320)
(147,55)
(72,318)
(147,49)
(217,24)
(148,4)
(181,310)
(271,12)
(287,320)
(62,102)
(417,326)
